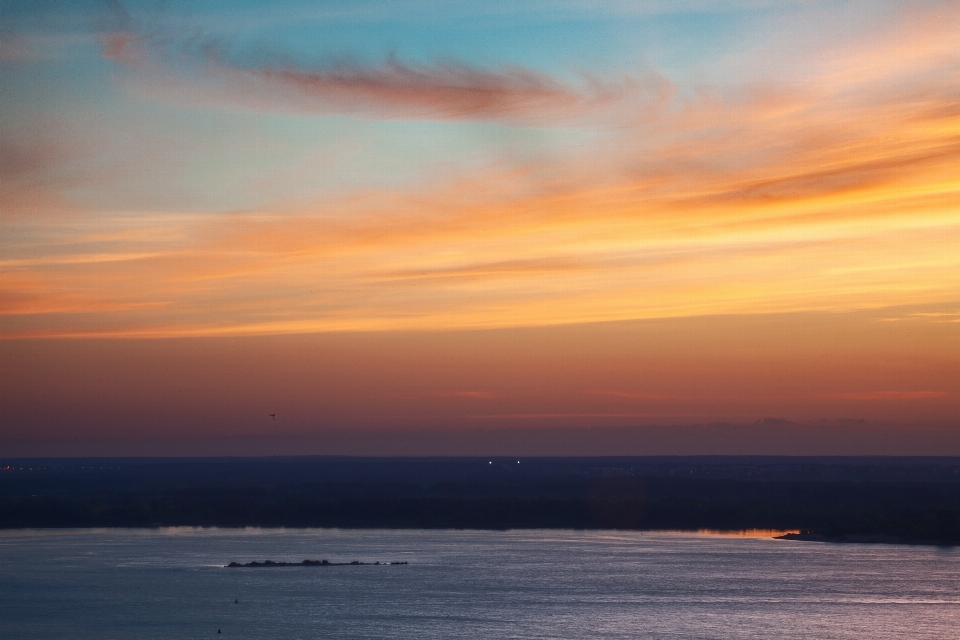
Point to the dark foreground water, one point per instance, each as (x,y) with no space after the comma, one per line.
(170,583)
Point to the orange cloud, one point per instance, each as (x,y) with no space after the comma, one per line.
(891,395)
(631,395)
(535,416)
(440,393)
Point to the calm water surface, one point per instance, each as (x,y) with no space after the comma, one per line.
(170,583)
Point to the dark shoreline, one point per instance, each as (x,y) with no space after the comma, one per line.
(848,538)
(865,538)
(883,500)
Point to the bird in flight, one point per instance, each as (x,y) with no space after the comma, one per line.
(273,415)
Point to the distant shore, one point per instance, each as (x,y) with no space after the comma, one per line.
(865,538)
(865,500)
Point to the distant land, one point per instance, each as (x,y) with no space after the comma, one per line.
(828,499)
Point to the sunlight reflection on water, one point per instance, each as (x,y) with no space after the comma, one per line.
(171,583)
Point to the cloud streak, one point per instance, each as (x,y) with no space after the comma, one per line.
(891,395)
(201,69)
(444,91)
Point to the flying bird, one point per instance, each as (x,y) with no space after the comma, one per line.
(273,415)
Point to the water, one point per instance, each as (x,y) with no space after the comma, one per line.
(170,583)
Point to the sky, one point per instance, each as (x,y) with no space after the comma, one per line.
(450,216)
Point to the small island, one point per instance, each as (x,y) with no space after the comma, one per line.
(306,563)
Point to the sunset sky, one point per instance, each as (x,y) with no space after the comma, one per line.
(476,215)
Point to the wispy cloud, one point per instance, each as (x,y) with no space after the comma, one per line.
(536,416)
(36,164)
(632,395)
(202,69)
(16,48)
(939,316)
(890,395)
(444,393)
